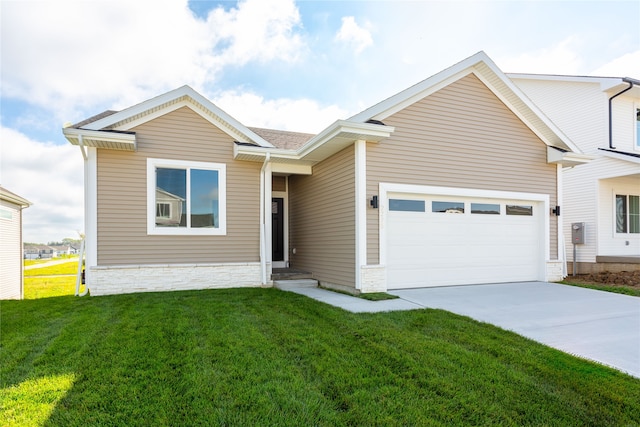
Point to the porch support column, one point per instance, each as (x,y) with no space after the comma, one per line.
(562,252)
(361,208)
(265,220)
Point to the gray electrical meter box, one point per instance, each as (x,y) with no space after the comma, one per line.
(577,233)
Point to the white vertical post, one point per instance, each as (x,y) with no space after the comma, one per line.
(361,208)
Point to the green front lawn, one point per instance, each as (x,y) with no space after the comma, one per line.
(265,357)
(70,267)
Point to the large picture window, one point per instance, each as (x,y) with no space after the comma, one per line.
(186,197)
(627,213)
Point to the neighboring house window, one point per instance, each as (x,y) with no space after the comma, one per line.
(186,198)
(627,213)
(163,210)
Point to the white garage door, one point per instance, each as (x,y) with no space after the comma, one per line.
(451,240)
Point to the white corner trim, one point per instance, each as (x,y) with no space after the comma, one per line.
(361,208)
(91,208)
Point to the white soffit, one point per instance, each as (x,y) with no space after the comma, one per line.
(125,141)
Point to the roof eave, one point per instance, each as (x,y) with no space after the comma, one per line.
(567,158)
(15,199)
(334,138)
(101,139)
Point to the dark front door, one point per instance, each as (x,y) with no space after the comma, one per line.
(277,227)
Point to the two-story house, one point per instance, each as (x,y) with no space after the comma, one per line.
(601,115)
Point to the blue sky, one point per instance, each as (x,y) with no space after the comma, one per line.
(271,63)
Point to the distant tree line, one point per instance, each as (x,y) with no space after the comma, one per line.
(67,241)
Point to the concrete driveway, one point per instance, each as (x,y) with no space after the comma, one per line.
(595,325)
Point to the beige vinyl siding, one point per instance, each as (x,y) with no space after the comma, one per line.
(279,183)
(122,189)
(322,220)
(461,136)
(10,251)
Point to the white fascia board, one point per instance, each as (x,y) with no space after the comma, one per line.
(618,156)
(339,129)
(605,84)
(518,102)
(488,72)
(367,131)
(261,152)
(159,105)
(418,91)
(602,81)
(138,109)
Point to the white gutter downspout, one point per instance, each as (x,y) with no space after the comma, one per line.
(81,145)
(263,231)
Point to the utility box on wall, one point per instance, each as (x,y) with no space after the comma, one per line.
(578,233)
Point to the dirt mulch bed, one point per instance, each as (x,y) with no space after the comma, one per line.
(623,278)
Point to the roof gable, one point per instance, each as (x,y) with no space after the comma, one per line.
(184,96)
(486,70)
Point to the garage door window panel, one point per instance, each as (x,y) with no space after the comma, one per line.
(485,208)
(402,205)
(519,210)
(447,207)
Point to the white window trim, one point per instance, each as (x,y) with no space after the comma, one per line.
(221,168)
(627,234)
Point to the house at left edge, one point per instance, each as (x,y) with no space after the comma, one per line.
(455,180)
(11,264)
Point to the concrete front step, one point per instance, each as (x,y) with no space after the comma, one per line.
(289,274)
(295,284)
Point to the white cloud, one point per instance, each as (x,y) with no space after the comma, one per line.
(561,58)
(299,115)
(627,65)
(255,30)
(354,35)
(49,176)
(68,56)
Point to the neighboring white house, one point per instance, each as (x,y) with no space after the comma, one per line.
(601,115)
(11,266)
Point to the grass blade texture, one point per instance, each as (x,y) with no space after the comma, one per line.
(266,357)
